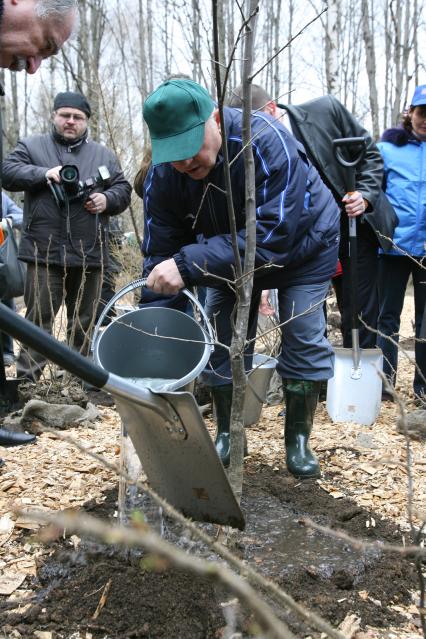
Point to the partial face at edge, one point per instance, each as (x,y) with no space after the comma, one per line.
(26,39)
(418,121)
(200,165)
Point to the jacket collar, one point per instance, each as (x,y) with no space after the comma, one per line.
(64,142)
(399,136)
(306,133)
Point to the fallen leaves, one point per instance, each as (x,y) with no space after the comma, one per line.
(350,625)
(7,525)
(50,475)
(333,492)
(10,581)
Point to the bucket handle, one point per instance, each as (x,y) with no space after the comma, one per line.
(141,283)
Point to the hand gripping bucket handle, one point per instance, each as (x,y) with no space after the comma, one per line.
(141,283)
(154,343)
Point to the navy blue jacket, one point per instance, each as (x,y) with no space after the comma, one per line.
(297,219)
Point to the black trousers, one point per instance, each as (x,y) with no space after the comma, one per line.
(368,304)
(394,273)
(46,289)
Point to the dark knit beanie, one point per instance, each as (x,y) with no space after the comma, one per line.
(73,100)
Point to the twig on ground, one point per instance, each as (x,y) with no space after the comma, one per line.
(359,544)
(102,600)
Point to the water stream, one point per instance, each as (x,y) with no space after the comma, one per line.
(152,383)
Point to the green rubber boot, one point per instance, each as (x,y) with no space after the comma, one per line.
(301,398)
(222,399)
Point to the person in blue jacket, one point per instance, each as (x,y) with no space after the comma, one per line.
(404,153)
(187,241)
(12,218)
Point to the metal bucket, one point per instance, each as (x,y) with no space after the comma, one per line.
(156,347)
(154,343)
(258,382)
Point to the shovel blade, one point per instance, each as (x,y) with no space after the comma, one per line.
(181,462)
(355,396)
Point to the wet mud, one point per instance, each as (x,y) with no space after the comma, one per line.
(151,600)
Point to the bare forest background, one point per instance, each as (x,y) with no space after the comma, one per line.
(366,52)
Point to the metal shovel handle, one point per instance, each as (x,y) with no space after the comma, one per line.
(28,333)
(141,283)
(355,148)
(36,338)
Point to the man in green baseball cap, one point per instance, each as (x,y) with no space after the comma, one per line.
(183,124)
(187,241)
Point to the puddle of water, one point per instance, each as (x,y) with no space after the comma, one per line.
(279,545)
(273,541)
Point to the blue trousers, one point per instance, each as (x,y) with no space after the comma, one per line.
(394,271)
(306,353)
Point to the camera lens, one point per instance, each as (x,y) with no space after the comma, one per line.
(70,179)
(69,174)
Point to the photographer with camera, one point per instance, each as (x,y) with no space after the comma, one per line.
(72,185)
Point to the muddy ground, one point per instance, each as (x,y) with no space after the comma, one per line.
(68,585)
(70,575)
(75,588)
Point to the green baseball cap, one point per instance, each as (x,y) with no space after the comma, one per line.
(176,113)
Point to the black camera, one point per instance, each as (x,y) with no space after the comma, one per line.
(72,188)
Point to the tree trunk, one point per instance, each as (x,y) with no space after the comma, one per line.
(290,51)
(245,284)
(13,130)
(370,61)
(332,47)
(388,41)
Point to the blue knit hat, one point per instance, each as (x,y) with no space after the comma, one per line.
(419,97)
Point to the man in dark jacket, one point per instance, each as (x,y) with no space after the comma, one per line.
(187,242)
(316,124)
(64,244)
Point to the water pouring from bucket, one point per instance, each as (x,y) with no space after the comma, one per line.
(167,430)
(158,348)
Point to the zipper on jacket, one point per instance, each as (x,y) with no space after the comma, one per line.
(30,220)
(210,204)
(419,214)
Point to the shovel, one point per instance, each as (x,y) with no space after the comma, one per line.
(354,393)
(167,430)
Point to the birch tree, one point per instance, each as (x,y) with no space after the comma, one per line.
(370,63)
(331,47)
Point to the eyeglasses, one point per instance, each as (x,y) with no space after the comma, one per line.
(68,116)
